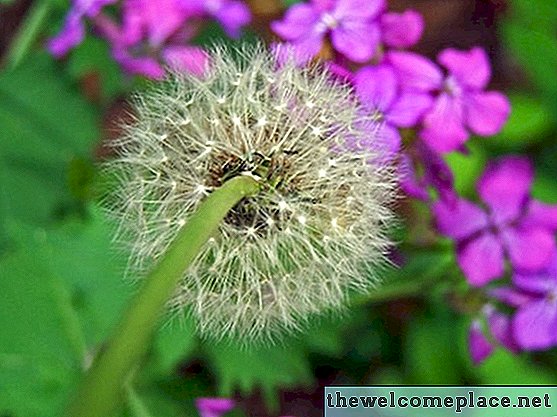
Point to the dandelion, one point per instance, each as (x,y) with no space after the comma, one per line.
(313,234)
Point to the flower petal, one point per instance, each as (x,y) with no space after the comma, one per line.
(459,220)
(410,184)
(471,68)
(232,16)
(486,113)
(402,30)
(530,249)
(376,87)
(71,35)
(481,259)
(443,127)
(415,71)
(187,58)
(297,22)
(500,326)
(213,407)
(504,186)
(409,108)
(146,66)
(510,296)
(362,10)
(357,41)
(539,214)
(539,283)
(479,347)
(535,325)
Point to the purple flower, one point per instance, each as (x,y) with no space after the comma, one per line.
(379,91)
(213,407)
(510,228)
(353,27)
(535,320)
(233,15)
(153,34)
(435,173)
(461,105)
(500,329)
(73,31)
(479,345)
(402,30)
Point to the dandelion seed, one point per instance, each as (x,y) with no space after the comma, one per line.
(274,261)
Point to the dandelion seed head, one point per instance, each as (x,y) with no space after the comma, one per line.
(315,233)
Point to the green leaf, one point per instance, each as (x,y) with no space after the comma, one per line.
(175,341)
(82,255)
(536,51)
(530,122)
(41,349)
(62,292)
(431,348)
(467,168)
(45,125)
(266,368)
(504,367)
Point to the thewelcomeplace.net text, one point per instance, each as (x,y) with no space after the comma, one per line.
(456,402)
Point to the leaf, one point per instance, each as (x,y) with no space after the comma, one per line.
(266,368)
(45,125)
(504,367)
(62,292)
(530,122)
(431,348)
(536,51)
(82,255)
(467,168)
(175,341)
(40,349)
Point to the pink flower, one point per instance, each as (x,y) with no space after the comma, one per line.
(500,329)
(402,30)
(153,34)
(461,105)
(214,407)
(514,226)
(353,26)
(379,91)
(233,15)
(73,31)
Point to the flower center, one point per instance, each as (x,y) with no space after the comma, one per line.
(329,21)
(452,87)
(248,215)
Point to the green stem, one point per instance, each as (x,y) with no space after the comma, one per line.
(102,387)
(27,33)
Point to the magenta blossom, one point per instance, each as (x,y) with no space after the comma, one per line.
(353,27)
(514,226)
(232,15)
(379,91)
(153,34)
(73,31)
(214,407)
(461,105)
(500,332)
(402,30)
(535,320)
(435,174)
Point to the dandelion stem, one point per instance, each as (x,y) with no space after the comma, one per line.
(103,385)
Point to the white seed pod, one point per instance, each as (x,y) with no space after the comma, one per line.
(313,235)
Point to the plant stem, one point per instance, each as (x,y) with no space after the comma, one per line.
(27,33)
(103,386)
